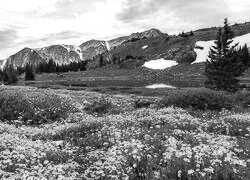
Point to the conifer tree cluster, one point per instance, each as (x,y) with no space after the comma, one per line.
(9,75)
(183,34)
(29,73)
(225,62)
(51,67)
(20,70)
(244,55)
(1,75)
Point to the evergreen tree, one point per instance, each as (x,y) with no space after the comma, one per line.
(52,67)
(101,61)
(224,64)
(29,73)
(1,75)
(10,75)
(244,54)
(20,70)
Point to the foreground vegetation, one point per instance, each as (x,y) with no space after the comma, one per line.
(81,135)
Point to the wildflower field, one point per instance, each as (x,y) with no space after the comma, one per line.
(60,134)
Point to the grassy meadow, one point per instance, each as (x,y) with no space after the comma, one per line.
(63,134)
(112,80)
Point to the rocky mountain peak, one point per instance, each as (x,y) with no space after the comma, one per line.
(25,56)
(146,34)
(61,54)
(92,43)
(92,48)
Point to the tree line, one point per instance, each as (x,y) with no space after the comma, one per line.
(9,74)
(52,67)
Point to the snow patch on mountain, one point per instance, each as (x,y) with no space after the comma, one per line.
(107,45)
(159,64)
(2,63)
(80,54)
(78,50)
(66,47)
(242,40)
(144,47)
(157,86)
(202,48)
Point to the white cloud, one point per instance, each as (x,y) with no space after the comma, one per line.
(239,5)
(36,20)
(28,5)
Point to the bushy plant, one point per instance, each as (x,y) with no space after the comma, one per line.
(15,107)
(201,99)
(146,143)
(33,109)
(51,107)
(143,103)
(101,106)
(243,98)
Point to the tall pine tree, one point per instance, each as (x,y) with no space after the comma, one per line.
(1,75)
(10,75)
(224,64)
(245,56)
(29,73)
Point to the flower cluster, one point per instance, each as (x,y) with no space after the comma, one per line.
(147,143)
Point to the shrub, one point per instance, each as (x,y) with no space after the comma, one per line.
(243,98)
(15,107)
(33,109)
(143,103)
(99,107)
(202,99)
(102,106)
(129,57)
(51,107)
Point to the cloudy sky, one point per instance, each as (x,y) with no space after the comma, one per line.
(38,23)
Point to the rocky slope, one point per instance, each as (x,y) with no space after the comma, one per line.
(61,54)
(64,54)
(26,55)
(134,37)
(92,48)
(168,47)
(2,63)
(181,49)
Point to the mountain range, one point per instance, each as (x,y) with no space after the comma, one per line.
(132,50)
